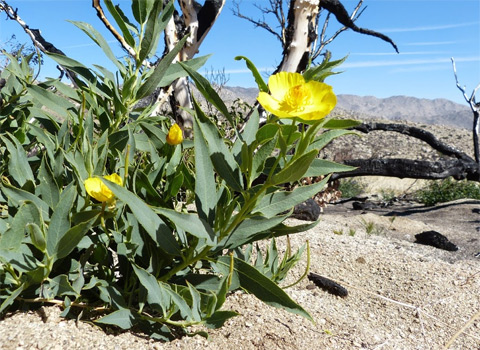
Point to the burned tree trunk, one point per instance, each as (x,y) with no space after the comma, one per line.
(461,166)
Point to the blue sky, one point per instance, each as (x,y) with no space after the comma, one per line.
(427,32)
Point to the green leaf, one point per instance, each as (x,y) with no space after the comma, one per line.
(121,21)
(156,23)
(37,235)
(278,202)
(205,190)
(263,288)
(295,170)
(265,151)
(222,158)
(59,286)
(283,230)
(341,123)
(18,165)
(28,213)
(190,223)
(249,229)
(11,298)
(209,92)
(176,71)
(73,65)
(157,294)
(123,318)
(325,138)
(17,196)
(262,86)
(154,79)
(47,188)
(151,222)
(54,102)
(320,167)
(100,41)
(70,239)
(60,221)
(218,319)
(139,10)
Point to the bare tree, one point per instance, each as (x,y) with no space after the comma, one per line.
(475,107)
(298,32)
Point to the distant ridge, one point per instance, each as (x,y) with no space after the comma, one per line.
(438,111)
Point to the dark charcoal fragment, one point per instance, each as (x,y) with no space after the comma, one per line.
(363,205)
(328,285)
(308,210)
(435,239)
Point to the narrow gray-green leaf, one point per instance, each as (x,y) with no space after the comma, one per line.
(190,223)
(176,71)
(151,222)
(203,85)
(205,190)
(221,156)
(296,169)
(60,221)
(17,196)
(154,79)
(14,235)
(70,239)
(50,100)
(249,229)
(100,41)
(219,318)
(123,318)
(278,202)
(320,167)
(262,86)
(119,17)
(263,288)
(18,165)
(11,298)
(73,65)
(324,139)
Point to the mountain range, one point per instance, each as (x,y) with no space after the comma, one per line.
(402,108)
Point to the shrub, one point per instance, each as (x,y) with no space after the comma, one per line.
(350,188)
(101,210)
(447,190)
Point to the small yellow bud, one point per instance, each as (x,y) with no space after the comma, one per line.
(175,135)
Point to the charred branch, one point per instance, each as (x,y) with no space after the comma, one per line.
(338,10)
(415,169)
(418,133)
(37,39)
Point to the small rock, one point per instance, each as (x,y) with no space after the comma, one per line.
(361,260)
(308,211)
(435,239)
(363,205)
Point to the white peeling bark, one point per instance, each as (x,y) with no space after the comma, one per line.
(304,16)
(192,20)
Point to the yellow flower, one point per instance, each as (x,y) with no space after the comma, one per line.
(291,96)
(98,190)
(175,135)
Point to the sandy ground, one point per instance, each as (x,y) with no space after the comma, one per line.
(402,295)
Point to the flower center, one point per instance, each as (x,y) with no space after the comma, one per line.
(296,98)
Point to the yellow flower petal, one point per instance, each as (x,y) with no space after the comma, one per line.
(98,190)
(290,96)
(114,178)
(280,83)
(175,135)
